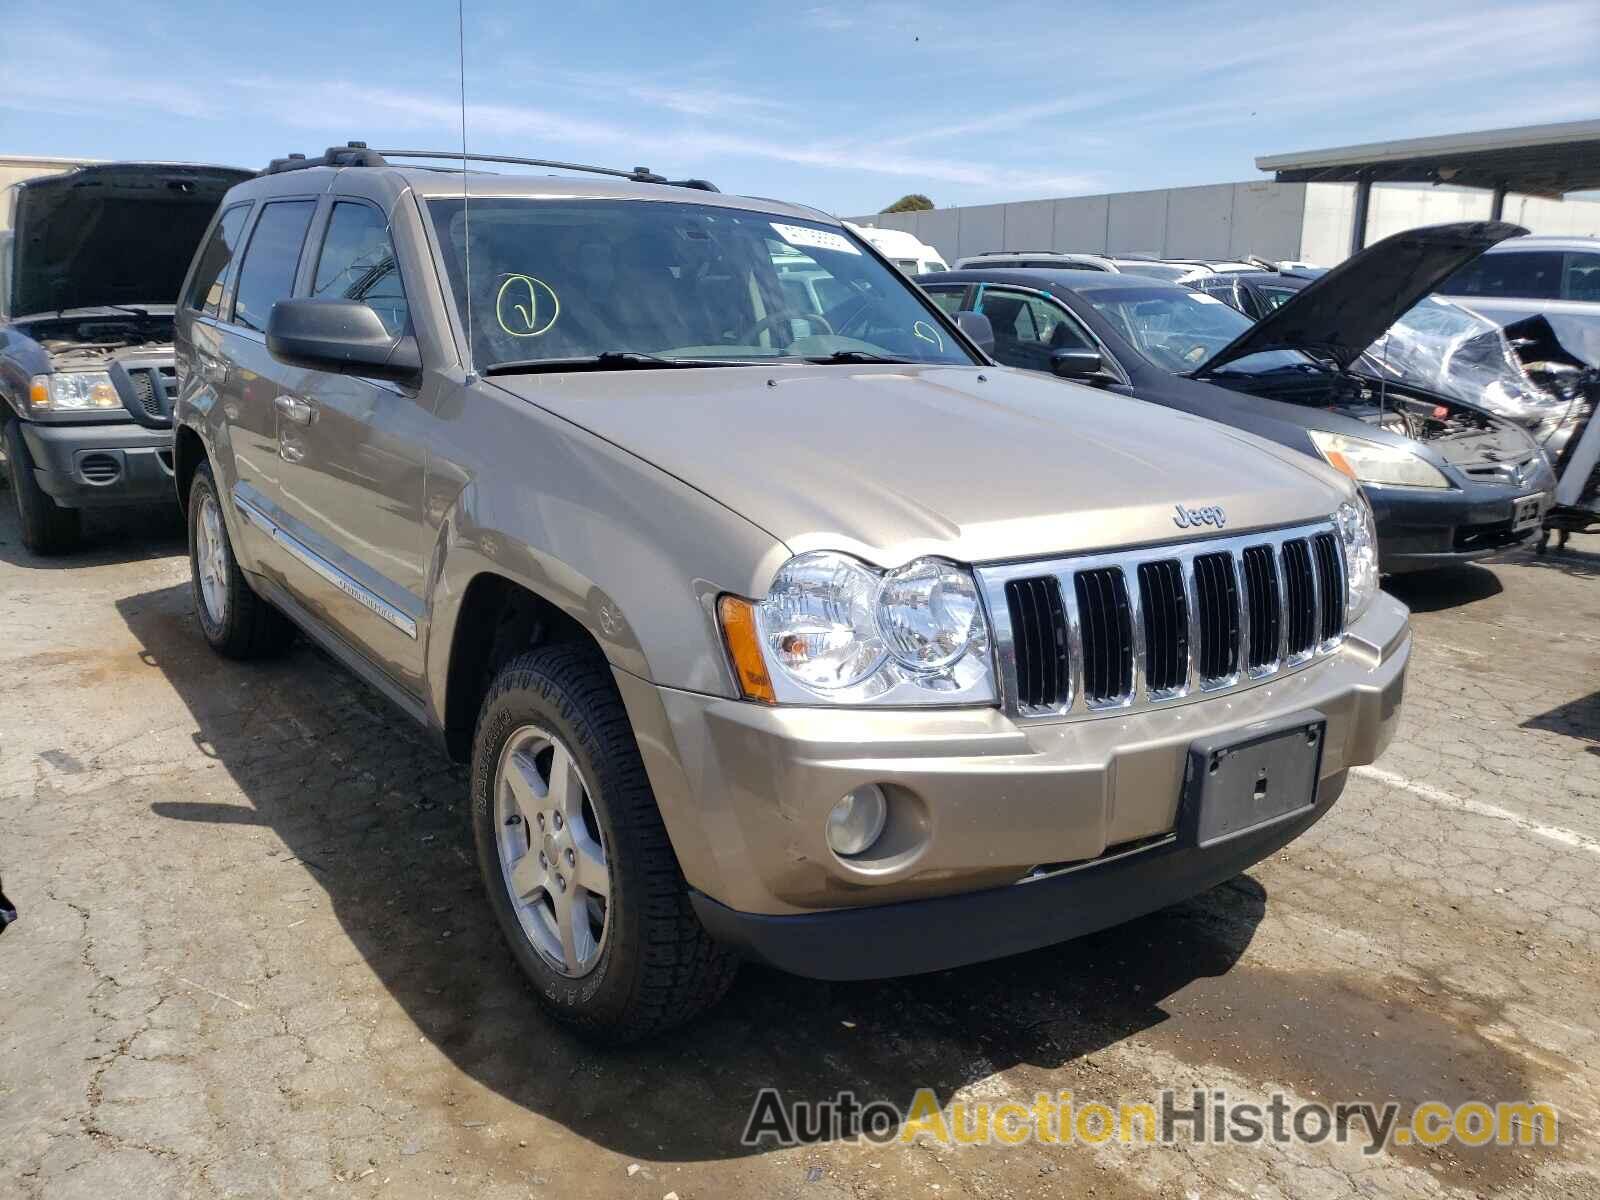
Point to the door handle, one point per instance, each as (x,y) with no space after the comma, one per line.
(301,412)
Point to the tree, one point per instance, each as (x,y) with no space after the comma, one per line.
(915,202)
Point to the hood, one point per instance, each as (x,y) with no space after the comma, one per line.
(114,233)
(1340,314)
(891,462)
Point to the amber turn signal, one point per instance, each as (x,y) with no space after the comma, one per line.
(1340,462)
(738,620)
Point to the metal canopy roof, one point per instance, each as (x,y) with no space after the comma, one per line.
(1534,160)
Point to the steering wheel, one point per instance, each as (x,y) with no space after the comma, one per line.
(771,319)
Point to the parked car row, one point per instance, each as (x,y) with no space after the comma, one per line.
(1173,270)
(1447,480)
(773,617)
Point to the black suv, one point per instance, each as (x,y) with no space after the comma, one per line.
(88,277)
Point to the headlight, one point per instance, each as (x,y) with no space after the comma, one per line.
(1360,537)
(73,391)
(1374,462)
(833,630)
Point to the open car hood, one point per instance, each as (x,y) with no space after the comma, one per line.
(1342,313)
(112,233)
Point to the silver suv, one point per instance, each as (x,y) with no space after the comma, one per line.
(774,619)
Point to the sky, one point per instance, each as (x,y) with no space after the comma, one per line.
(844,106)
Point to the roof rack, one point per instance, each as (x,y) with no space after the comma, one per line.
(351,154)
(356,154)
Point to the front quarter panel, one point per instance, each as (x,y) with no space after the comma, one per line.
(632,554)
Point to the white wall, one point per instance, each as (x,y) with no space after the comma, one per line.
(1569,218)
(1225,220)
(1325,236)
(1218,221)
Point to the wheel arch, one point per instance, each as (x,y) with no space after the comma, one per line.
(188,452)
(498,618)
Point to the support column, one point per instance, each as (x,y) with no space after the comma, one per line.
(1497,206)
(1358,222)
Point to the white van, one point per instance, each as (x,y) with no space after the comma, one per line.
(902,249)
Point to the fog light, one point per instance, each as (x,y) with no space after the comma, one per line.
(857,820)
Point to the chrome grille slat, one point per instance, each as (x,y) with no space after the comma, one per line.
(1329,558)
(1108,673)
(1164,624)
(1219,617)
(1266,610)
(1163,605)
(1299,599)
(1038,625)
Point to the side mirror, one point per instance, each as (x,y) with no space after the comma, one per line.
(343,336)
(976,326)
(1077,364)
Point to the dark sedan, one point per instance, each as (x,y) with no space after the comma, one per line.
(1448,481)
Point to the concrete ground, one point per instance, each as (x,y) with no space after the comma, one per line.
(253,958)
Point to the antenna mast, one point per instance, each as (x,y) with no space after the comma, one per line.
(466,220)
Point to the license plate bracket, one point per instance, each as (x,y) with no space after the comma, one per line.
(1243,781)
(1527,512)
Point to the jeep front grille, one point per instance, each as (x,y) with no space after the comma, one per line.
(1111,632)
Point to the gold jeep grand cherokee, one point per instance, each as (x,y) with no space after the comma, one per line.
(774,618)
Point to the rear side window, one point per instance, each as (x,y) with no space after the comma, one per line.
(357,263)
(267,273)
(211,275)
(1526,274)
(948,299)
(1583,277)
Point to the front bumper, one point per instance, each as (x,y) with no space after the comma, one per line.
(1422,528)
(917,936)
(92,466)
(978,803)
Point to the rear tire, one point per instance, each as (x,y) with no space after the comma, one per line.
(237,622)
(47,527)
(641,962)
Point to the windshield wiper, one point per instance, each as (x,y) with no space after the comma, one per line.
(855,356)
(138,312)
(610,360)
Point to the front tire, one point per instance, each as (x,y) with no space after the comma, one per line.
(576,862)
(47,527)
(237,622)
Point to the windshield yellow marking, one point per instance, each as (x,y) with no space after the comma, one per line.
(927,333)
(521,319)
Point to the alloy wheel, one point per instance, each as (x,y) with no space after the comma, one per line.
(211,559)
(552,851)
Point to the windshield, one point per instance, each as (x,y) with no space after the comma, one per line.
(1166,271)
(1178,329)
(557,280)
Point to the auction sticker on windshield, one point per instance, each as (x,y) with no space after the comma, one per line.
(820,239)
